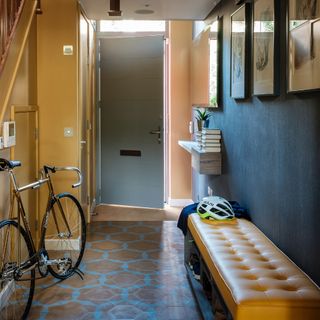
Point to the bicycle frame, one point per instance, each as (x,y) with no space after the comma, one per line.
(21,217)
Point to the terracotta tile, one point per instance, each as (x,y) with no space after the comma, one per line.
(144,266)
(153,237)
(103,267)
(142,277)
(91,237)
(177,313)
(125,312)
(99,295)
(106,245)
(125,279)
(34,313)
(53,295)
(141,229)
(125,255)
(76,282)
(90,254)
(71,311)
(144,245)
(109,229)
(125,237)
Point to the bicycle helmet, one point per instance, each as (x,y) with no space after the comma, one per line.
(215,208)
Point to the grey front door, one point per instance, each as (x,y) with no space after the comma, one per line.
(132,121)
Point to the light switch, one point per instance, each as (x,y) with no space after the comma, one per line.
(68,132)
(68,50)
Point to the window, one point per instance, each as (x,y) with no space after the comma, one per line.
(213,65)
(132,26)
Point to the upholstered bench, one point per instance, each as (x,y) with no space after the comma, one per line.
(254,278)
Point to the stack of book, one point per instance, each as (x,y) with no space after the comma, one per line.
(210,140)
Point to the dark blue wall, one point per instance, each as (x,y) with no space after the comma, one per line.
(271,159)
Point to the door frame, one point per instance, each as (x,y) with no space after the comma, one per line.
(86,114)
(165,121)
(30,109)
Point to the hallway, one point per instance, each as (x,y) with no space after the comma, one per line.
(132,270)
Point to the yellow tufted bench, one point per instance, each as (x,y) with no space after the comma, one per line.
(255,279)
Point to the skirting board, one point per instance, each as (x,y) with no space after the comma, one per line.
(179,202)
(57,244)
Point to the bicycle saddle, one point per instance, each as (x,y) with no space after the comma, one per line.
(7,164)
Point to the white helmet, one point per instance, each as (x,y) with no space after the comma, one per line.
(215,208)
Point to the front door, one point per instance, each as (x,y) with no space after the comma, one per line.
(132,121)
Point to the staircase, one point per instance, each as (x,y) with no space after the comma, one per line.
(15,20)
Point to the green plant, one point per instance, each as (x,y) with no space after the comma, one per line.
(202,115)
(213,101)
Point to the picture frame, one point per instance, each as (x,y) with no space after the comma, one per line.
(265,42)
(240,52)
(303,46)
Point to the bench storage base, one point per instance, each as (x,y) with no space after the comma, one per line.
(249,277)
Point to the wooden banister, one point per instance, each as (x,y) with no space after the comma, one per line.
(12,48)
(10,11)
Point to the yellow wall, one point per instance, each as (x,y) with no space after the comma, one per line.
(22,92)
(180,33)
(57,86)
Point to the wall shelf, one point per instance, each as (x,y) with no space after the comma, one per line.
(203,162)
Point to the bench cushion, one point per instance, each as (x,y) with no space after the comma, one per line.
(255,278)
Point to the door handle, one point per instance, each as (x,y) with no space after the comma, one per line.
(158,132)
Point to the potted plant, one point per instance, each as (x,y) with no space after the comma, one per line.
(202,118)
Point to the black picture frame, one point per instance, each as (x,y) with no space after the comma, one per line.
(303,46)
(265,48)
(240,52)
(220,62)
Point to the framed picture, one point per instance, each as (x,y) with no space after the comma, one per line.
(240,52)
(265,48)
(303,45)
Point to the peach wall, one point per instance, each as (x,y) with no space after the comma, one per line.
(180,33)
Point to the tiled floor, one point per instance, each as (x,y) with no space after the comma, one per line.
(133,270)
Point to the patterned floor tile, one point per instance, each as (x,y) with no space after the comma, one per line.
(132,270)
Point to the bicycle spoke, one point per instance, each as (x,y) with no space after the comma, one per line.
(16,291)
(64,237)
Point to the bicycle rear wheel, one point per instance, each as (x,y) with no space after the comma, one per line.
(16,291)
(64,236)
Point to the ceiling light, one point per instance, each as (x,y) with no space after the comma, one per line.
(115,8)
(144,11)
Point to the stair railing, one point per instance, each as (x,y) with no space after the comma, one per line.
(10,11)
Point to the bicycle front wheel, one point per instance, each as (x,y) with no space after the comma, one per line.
(16,284)
(64,235)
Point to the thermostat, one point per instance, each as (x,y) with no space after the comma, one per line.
(9,134)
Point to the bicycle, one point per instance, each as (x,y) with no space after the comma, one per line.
(60,249)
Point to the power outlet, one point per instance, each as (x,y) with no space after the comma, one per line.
(210,192)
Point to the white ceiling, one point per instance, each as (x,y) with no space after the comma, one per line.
(163,9)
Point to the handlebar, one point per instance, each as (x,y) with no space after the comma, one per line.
(46,169)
